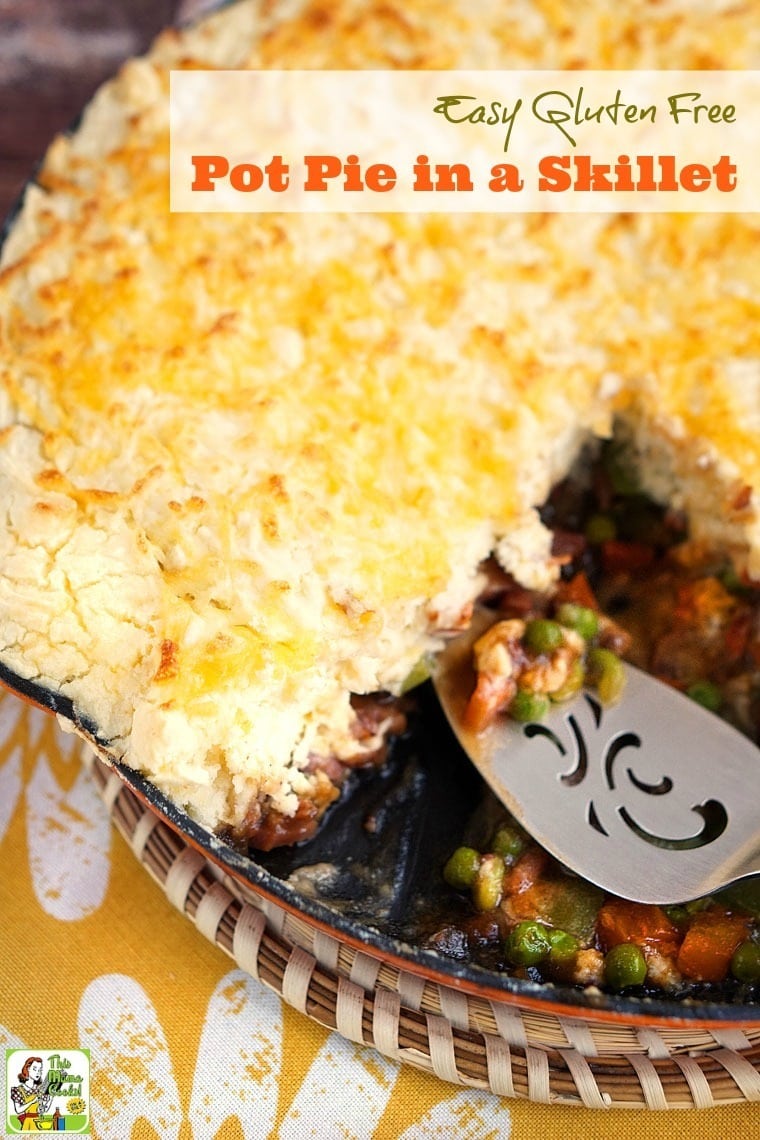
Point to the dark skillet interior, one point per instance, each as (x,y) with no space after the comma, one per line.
(380,852)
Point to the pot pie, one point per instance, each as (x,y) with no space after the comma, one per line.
(252,467)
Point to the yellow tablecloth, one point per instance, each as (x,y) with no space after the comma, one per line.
(182,1044)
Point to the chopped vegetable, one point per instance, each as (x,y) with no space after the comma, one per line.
(709,944)
(624,965)
(566,903)
(582,619)
(488,886)
(646,925)
(509,843)
(563,946)
(528,944)
(572,686)
(607,673)
(522,666)
(745,962)
(462,867)
(527,870)
(527,706)
(543,635)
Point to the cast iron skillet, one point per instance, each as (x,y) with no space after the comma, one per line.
(380,851)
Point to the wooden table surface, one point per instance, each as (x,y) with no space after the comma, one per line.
(53,54)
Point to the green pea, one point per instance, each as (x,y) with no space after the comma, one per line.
(707,694)
(563,946)
(508,842)
(677,914)
(461,868)
(572,685)
(528,944)
(625,965)
(580,618)
(607,673)
(526,706)
(745,963)
(488,886)
(599,529)
(543,635)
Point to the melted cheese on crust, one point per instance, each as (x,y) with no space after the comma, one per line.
(251,464)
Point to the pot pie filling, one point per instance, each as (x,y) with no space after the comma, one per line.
(687,618)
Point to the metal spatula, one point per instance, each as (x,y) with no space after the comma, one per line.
(654,799)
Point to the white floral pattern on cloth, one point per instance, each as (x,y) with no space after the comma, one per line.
(239,1058)
(68,833)
(345,1094)
(238,1070)
(119,1025)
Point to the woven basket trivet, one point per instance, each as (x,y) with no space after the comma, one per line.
(503,1047)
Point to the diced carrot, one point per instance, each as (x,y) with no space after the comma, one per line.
(526,872)
(620,556)
(526,904)
(577,590)
(646,925)
(707,949)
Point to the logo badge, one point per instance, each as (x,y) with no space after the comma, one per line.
(47,1090)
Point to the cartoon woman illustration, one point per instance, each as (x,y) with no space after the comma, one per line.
(31,1097)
